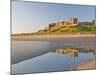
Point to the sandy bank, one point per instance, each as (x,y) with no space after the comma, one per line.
(90,64)
(51,36)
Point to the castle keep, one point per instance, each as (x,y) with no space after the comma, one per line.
(70,22)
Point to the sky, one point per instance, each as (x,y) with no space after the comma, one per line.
(28,17)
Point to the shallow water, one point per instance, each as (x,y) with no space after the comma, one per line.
(46,56)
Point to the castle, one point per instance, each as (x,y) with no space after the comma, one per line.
(72,21)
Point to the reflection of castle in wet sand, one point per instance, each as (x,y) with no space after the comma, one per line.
(69,51)
(74,52)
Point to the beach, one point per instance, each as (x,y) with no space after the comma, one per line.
(87,65)
(36,48)
(76,41)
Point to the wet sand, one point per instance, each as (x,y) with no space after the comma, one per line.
(90,64)
(77,41)
(22,50)
(80,41)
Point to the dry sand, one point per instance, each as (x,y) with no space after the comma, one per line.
(87,65)
(51,36)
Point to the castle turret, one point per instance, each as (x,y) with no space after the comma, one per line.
(72,21)
(93,21)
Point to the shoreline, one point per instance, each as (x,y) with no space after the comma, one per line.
(51,36)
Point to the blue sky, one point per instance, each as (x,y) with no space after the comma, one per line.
(29,17)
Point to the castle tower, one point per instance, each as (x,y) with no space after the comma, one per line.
(73,20)
(93,22)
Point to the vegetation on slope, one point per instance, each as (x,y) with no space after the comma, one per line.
(80,29)
(66,30)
